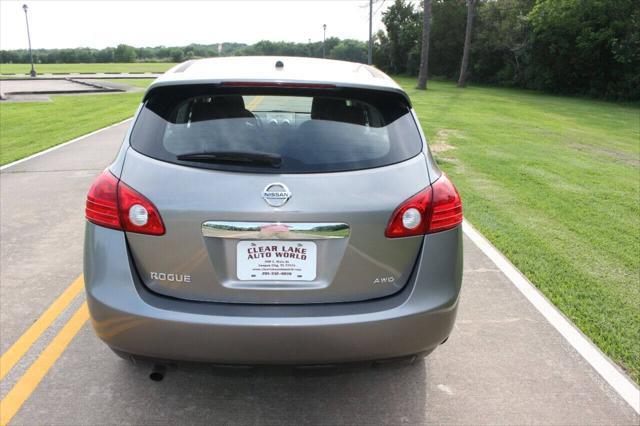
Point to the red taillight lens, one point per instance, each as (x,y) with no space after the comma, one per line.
(419,202)
(113,204)
(434,209)
(137,214)
(102,201)
(446,212)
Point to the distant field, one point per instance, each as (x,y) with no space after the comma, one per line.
(30,127)
(554,183)
(70,68)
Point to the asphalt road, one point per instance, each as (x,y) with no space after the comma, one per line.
(503,363)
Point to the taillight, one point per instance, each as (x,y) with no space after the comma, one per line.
(137,214)
(434,209)
(102,201)
(446,211)
(114,204)
(419,203)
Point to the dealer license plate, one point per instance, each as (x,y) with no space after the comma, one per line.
(276,260)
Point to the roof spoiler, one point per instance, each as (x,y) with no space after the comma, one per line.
(272,85)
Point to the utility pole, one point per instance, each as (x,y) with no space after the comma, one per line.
(370,55)
(33,71)
(324,39)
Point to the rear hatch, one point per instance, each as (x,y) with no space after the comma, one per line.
(274,195)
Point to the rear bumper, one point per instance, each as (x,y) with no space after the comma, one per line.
(130,318)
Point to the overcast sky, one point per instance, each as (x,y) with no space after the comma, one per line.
(98,24)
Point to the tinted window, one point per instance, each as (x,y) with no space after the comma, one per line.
(308,132)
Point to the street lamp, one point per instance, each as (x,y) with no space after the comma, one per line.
(324,38)
(33,71)
(370,50)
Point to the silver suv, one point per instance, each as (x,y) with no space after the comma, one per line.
(273,210)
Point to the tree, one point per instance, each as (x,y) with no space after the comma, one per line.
(471,11)
(501,41)
(403,32)
(350,50)
(105,55)
(176,54)
(381,52)
(448,18)
(424,52)
(587,46)
(124,53)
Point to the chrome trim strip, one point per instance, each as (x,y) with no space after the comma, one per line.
(274,230)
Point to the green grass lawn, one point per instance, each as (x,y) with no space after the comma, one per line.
(554,183)
(70,68)
(30,127)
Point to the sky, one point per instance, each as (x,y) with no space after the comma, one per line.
(98,24)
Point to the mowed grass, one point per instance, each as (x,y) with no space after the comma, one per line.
(30,127)
(85,68)
(554,183)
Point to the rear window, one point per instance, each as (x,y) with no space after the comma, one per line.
(276,131)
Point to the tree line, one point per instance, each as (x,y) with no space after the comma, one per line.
(586,47)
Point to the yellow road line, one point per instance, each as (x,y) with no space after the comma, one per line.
(29,381)
(28,338)
(257,100)
(250,105)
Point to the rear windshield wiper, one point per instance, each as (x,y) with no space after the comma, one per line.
(239,157)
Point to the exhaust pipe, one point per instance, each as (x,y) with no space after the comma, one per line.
(157,372)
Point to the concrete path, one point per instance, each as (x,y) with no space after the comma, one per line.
(503,364)
(21,90)
(86,75)
(46,86)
